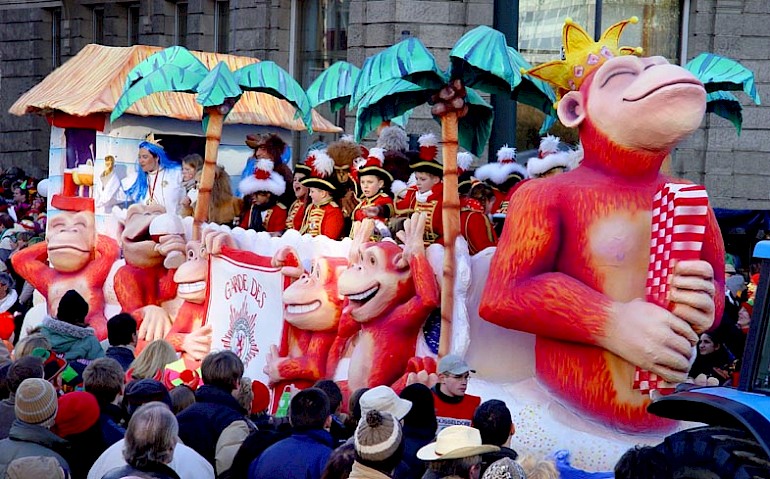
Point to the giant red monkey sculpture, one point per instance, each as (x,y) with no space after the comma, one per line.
(312,308)
(80,259)
(572,267)
(390,292)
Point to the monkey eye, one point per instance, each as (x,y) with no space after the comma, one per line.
(190,254)
(372,260)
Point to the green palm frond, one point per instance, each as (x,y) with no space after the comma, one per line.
(475,128)
(335,85)
(218,86)
(172,69)
(386,101)
(720,73)
(726,105)
(480,60)
(267,77)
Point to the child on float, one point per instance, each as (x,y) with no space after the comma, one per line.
(323,216)
(373,181)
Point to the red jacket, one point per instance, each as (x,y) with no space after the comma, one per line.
(326,219)
(380,199)
(295,215)
(274,220)
(432,206)
(475,226)
(455,413)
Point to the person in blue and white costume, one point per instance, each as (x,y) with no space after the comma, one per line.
(158,179)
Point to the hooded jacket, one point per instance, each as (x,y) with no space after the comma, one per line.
(25,440)
(74,342)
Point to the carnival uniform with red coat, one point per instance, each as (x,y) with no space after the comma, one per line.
(373,166)
(264,180)
(325,218)
(502,175)
(296,214)
(432,201)
(274,219)
(475,226)
(380,200)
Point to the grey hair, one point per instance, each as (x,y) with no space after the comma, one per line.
(7,280)
(151,435)
(453,467)
(393,138)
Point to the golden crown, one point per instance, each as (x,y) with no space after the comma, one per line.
(150,138)
(582,55)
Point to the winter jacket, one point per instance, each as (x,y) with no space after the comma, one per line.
(187,463)
(74,342)
(109,422)
(491,457)
(414,439)
(27,440)
(303,455)
(201,424)
(123,355)
(85,448)
(229,442)
(151,471)
(360,471)
(7,415)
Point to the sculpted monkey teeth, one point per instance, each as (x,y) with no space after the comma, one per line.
(303,308)
(70,247)
(684,81)
(186,288)
(366,295)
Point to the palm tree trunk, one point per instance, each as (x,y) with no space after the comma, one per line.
(451,222)
(213,137)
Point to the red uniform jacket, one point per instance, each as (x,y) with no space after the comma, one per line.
(295,215)
(274,220)
(380,199)
(475,226)
(434,230)
(326,219)
(405,205)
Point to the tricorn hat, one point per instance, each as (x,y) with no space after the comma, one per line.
(321,171)
(426,160)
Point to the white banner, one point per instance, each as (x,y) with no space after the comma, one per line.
(245,311)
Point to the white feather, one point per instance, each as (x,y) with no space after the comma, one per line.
(349,138)
(464,160)
(378,153)
(549,144)
(506,154)
(398,187)
(323,163)
(427,139)
(264,164)
(412,180)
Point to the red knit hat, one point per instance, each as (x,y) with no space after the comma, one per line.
(78,411)
(261,399)
(6,325)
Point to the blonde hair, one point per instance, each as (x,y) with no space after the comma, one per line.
(153,358)
(538,468)
(26,345)
(244,395)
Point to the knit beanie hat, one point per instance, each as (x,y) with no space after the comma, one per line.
(73,308)
(261,399)
(143,391)
(78,411)
(378,436)
(36,402)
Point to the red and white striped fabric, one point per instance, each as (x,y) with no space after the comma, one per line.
(679,215)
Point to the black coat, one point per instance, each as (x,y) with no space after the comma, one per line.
(153,471)
(123,356)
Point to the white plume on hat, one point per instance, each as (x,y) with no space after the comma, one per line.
(378,153)
(506,154)
(464,161)
(548,144)
(427,139)
(263,179)
(536,167)
(505,166)
(349,138)
(321,164)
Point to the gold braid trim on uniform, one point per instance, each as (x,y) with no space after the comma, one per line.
(429,208)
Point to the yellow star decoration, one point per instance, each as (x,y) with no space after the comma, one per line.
(582,56)
(150,138)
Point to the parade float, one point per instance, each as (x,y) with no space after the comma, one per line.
(554,320)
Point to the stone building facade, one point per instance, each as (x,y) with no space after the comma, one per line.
(305,36)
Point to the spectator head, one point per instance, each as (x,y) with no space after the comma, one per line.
(340,462)
(378,441)
(121,330)
(28,344)
(456,452)
(6,284)
(453,375)
(145,391)
(244,395)
(493,420)
(104,378)
(73,309)
(35,466)
(78,412)
(36,403)
(422,415)
(182,397)
(642,462)
(354,404)
(223,370)
(333,392)
(6,222)
(708,344)
(505,468)
(151,436)
(24,368)
(309,409)
(261,400)
(384,399)
(152,360)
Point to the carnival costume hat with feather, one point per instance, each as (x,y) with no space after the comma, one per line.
(302,167)
(465,176)
(321,171)
(263,179)
(504,169)
(427,162)
(373,165)
(138,190)
(549,156)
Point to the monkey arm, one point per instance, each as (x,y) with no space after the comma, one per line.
(426,298)
(312,364)
(521,291)
(106,254)
(31,264)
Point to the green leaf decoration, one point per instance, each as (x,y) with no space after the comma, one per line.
(172,69)
(218,86)
(403,119)
(335,85)
(386,101)
(532,91)
(726,105)
(267,77)
(720,73)
(407,60)
(480,60)
(474,128)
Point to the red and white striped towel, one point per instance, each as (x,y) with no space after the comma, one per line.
(679,216)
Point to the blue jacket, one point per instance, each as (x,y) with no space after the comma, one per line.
(302,456)
(122,355)
(109,422)
(201,424)
(74,342)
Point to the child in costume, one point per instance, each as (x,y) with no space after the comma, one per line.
(262,210)
(324,216)
(373,181)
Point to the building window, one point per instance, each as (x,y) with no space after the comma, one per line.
(180,37)
(133,24)
(222,26)
(56,37)
(97,15)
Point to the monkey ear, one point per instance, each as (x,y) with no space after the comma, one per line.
(400,262)
(571,109)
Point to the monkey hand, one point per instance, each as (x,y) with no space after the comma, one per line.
(412,237)
(273,362)
(287,258)
(650,337)
(215,241)
(421,370)
(691,294)
(170,243)
(197,344)
(363,231)
(155,323)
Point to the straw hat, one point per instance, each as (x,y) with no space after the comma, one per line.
(455,442)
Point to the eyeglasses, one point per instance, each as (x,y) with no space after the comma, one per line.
(465,376)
